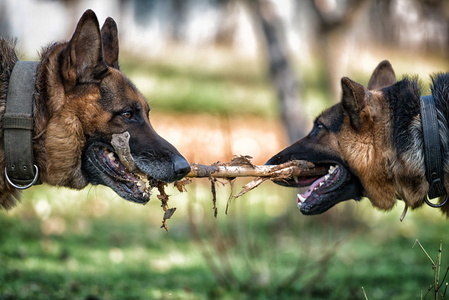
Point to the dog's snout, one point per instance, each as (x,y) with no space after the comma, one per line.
(181,167)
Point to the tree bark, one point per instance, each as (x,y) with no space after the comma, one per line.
(286,170)
(286,82)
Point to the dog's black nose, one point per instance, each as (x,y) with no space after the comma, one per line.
(180,166)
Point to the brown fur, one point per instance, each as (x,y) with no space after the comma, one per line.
(359,134)
(80,99)
(8,59)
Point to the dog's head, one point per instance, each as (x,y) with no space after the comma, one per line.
(354,140)
(89,100)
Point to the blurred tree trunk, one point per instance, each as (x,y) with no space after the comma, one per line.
(286,83)
(421,26)
(4,18)
(333,21)
(382,22)
(228,22)
(178,10)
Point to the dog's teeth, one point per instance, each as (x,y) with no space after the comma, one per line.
(141,185)
(111,156)
(295,178)
(326,177)
(301,198)
(332,169)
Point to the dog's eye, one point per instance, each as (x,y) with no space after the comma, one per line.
(319,126)
(127,115)
(316,128)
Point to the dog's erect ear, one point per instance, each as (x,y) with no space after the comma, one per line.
(83,56)
(383,76)
(354,100)
(109,35)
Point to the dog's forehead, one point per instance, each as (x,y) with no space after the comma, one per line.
(119,91)
(333,117)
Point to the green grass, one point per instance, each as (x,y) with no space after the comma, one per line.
(62,244)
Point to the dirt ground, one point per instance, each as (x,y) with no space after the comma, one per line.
(206,139)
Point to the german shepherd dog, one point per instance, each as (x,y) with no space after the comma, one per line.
(81,98)
(372,142)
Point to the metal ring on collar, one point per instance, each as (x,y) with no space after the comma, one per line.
(23,187)
(426,198)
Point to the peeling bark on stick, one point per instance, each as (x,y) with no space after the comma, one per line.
(240,166)
(289,169)
(249,186)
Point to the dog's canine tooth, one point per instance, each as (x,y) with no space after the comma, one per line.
(361,150)
(295,178)
(332,169)
(301,198)
(111,156)
(65,111)
(141,185)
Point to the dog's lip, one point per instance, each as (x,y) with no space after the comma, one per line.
(324,193)
(326,184)
(303,181)
(128,185)
(340,186)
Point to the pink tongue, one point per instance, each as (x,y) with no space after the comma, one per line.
(313,186)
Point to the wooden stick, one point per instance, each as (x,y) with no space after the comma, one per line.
(240,166)
(285,170)
(120,142)
(249,186)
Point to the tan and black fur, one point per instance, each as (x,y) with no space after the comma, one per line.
(82,98)
(374,136)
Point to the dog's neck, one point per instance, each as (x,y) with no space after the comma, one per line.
(404,98)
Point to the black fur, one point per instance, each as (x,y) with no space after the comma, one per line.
(404,102)
(440,93)
(383,158)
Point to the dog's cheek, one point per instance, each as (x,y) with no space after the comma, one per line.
(368,158)
(64,143)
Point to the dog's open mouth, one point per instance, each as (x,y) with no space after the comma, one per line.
(325,189)
(322,188)
(104,167)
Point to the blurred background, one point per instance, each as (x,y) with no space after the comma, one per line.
(224,78)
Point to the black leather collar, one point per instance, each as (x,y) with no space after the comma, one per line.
(18,126)
(433,156)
